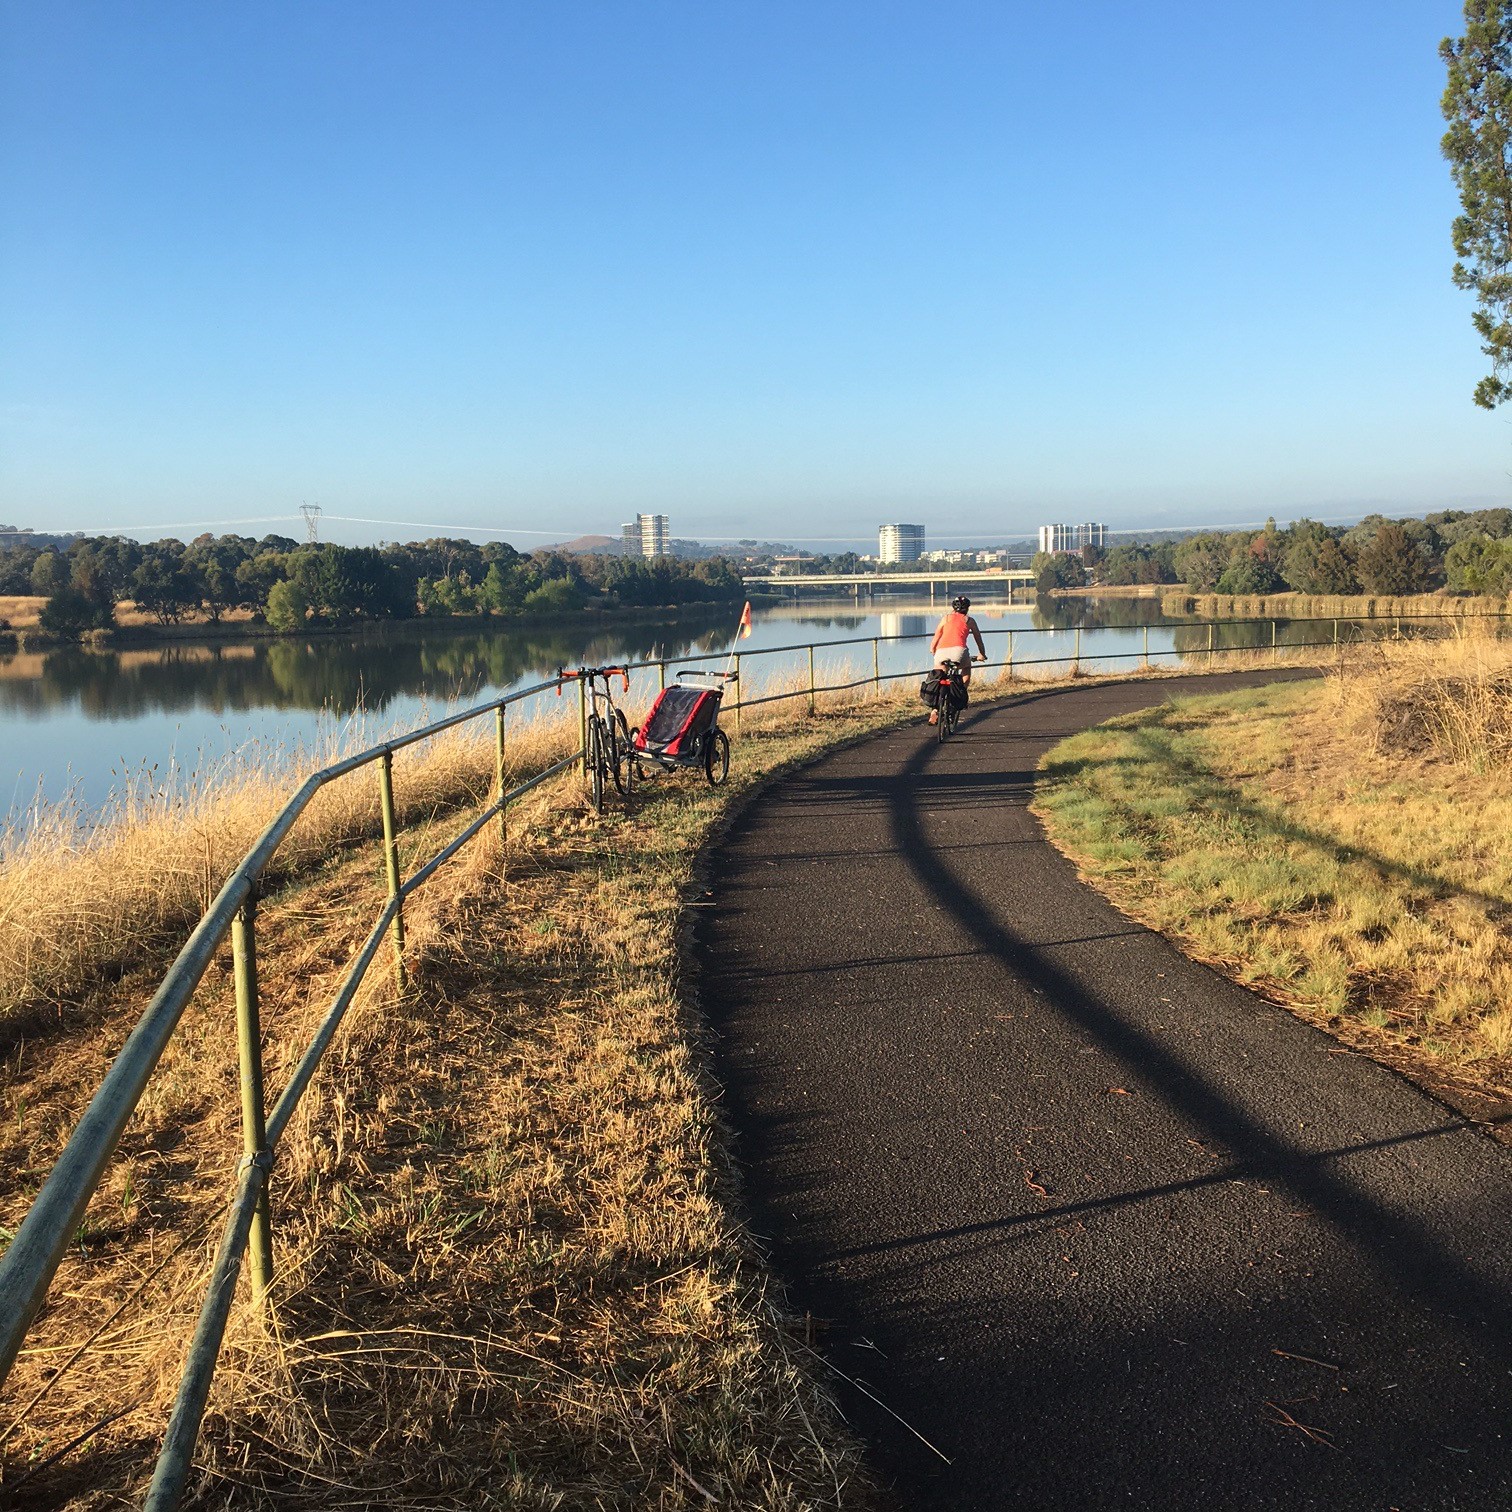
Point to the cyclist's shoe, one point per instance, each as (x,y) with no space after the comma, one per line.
(934,716)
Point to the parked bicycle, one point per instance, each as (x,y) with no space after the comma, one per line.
(606,734)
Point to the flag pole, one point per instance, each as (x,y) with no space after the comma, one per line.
(742,630)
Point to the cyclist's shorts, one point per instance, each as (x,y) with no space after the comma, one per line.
(953,653)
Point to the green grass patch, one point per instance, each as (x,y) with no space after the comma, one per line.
(1264,832)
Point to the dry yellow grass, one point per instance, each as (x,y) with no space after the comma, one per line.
(20,611)
(1326,606)
(81,896)
(1345,845)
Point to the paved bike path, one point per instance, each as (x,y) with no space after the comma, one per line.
(1104,1228)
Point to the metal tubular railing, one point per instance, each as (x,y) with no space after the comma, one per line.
(32,1257)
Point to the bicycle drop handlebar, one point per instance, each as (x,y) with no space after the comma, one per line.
(589,673)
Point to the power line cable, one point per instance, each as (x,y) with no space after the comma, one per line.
(99,530)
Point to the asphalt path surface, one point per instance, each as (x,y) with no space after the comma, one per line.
(1105,1229)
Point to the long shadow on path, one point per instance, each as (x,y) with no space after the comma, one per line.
(1103,1227)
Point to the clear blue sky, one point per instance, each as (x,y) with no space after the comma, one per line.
(778,269)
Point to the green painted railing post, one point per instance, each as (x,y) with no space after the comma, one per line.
(811,681)
(1144,665)
(583,722)
(1275,641)
(391,860)
(499,777)
(735,667)
(1211,629)
(1008,664)
(876,666)
(1076,653)
(1336,632)
(254,1113)
(661,676)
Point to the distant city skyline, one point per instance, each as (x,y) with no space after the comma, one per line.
(812,267)
(369,531)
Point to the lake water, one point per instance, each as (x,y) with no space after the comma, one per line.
(83,723)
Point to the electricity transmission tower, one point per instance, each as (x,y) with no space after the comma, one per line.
(311,513)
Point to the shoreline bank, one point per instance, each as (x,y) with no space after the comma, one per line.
(1182,602)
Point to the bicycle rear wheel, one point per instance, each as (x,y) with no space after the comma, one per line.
(621,763)
(942,724)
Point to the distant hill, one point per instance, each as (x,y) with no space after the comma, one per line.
(698,550)
(588,545)
(15,535)
(602,545)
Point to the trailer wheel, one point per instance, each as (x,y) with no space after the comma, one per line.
(716,757)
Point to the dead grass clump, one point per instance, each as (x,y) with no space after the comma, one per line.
(1329,606)
(1470,720)
(1448,698)
(20,611)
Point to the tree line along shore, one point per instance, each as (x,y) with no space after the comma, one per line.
(1453,551)
(98,584)
(93,586)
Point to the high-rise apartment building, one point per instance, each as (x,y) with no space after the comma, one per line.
(1053,538)
(900,543)
(645,536)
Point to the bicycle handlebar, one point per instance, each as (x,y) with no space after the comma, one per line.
(588,673)
(700,672)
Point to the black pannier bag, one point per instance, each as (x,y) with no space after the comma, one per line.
(677,720)
(929,690)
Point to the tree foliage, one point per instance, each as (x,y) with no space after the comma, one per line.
(1394,562)
(291,584)
(1454,548)
(1478,106)
(1479,564)
(1058,569)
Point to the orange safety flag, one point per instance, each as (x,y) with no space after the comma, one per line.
(745,622)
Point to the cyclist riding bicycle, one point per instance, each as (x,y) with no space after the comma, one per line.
(949,643)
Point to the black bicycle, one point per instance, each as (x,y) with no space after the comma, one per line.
(952,699)
(606,734)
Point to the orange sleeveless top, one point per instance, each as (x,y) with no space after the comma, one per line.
(952,631)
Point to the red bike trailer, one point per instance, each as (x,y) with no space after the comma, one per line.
(682,729)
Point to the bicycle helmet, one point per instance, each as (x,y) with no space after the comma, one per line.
(960,604)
